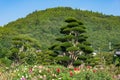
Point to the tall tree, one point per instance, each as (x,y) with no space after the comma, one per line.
(73,43)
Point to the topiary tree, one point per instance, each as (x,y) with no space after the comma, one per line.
(23,49)
(73,43)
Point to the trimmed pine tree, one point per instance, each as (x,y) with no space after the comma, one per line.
(72,44)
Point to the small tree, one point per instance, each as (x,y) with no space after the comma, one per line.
(73,43)
(23,49)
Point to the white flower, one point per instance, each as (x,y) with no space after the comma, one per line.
(35,66)
(26,75)
(18,74)
(17,70)
(40,71)
(40,67)
(59,78)
(14,71)
(44,75)
(41,76)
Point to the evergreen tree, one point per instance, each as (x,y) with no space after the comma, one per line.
(73,43)
(23,49)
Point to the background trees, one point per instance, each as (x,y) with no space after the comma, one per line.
(73,43)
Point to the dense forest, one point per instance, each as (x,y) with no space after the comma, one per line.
(39,29)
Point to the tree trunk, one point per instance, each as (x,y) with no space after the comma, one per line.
(70,65)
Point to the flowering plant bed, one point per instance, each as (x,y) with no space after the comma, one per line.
(53,72)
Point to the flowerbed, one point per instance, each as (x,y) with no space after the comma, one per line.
(54,72)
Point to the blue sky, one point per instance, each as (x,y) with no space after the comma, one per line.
(11,10)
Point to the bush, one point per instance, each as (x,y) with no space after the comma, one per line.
(5,61)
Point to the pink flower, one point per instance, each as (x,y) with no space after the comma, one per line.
(76,69)
(48,70)
(58,70)
(30,70)
(94,71)
(71,73)
(114,76)
(40,67)
(23,78)
(89,67)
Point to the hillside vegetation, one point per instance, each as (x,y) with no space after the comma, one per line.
(57,43)
(38,30)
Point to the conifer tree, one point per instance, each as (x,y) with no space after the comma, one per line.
(72,44)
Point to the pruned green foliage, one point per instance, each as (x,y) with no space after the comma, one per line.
(66,44)
(65,38)
(72,24)
(79,29)
(71,19)
(77,63)
(72,42)
(88,49)
(72,48)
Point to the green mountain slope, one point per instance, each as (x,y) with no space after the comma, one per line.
(44,26)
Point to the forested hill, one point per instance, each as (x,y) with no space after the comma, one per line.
(42,27)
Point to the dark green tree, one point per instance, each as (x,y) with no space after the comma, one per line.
(73,43)
(24,49)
